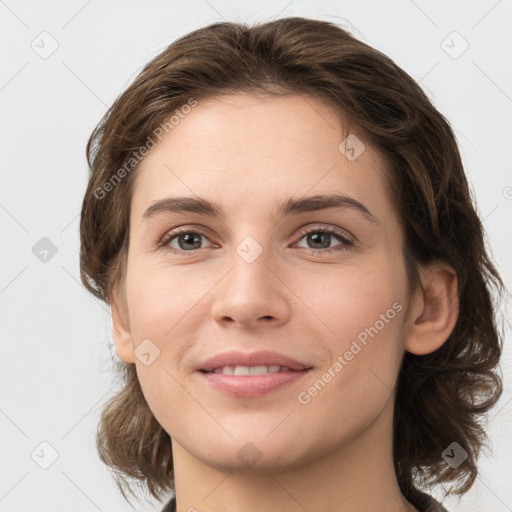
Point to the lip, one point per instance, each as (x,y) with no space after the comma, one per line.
(265,357)
(251,385)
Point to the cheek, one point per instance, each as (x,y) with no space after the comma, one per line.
(347,300)
(366,314)
(161,304)
(164,301)
(362,311)
(166,306)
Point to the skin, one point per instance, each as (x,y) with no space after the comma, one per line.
(249,154)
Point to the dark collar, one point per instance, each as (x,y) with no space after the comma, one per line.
(423,502)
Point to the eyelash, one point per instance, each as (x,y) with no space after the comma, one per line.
(346,242)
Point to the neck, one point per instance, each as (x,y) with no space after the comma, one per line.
(358,476)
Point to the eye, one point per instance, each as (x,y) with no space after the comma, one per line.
(186,240)
(320,238)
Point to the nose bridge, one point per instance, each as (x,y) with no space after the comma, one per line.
(250,290)
(250,272)
(252,263)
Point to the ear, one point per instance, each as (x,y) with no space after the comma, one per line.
(434,311)
(121,326)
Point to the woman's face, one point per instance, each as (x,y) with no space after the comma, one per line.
(261,275)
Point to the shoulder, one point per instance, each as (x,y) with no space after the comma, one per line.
(425,503)
(170,506)
(422,501)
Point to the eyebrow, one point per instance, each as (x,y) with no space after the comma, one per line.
(291,206)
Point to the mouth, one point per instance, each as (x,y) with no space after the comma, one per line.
(249,370)
(254,374)
(265,361)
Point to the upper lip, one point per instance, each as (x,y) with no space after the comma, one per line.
(262,358)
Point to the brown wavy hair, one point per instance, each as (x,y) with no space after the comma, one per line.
(441,397)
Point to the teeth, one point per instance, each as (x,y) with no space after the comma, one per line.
(251,370)
(242,370)
(258,370)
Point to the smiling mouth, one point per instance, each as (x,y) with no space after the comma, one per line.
(250,370)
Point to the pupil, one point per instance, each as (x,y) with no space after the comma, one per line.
(190,238)
(317,236)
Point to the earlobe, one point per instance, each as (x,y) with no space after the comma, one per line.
(435,310)
(121,328)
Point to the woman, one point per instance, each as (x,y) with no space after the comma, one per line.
(301,296)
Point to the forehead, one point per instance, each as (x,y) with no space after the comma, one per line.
(249,152)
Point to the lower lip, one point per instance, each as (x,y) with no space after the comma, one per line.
(252,385)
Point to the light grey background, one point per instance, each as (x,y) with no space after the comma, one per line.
(55,366)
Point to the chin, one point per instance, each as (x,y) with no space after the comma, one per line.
(261,461)
(253,453)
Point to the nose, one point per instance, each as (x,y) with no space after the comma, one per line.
(252,294)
